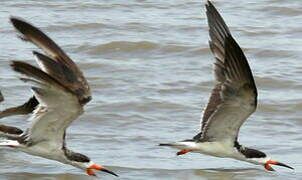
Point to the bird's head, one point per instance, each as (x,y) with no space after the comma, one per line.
(83,162)
(257,157)
(267,162)
(90,166)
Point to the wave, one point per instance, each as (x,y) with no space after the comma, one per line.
(123,46)
(79,26)
(142,48)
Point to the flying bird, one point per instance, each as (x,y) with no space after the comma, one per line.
(233,100)
(60,93)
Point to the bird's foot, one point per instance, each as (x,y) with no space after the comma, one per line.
(184,151)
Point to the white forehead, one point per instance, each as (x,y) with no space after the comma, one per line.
(88,164)
(81,165)
(259,160)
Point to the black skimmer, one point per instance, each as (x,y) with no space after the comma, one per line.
(60,93)
(233,100)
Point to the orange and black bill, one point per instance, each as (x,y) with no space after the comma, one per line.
(110,172)
(271,162)
(90,172)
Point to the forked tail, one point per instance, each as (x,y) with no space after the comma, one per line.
(180,145)
(167,144)
(9,143)
(184,146)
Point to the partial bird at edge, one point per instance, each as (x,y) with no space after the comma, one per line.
(60,92)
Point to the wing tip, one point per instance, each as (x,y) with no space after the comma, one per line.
(29,32)
(17,22)
(209,3)
(209,6)
(14,19)
(34,72)
(14,64)
(215,20)
(17,65)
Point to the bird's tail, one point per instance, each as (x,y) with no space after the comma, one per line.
(179,145)
(9,143)
(167,144)
(185,146)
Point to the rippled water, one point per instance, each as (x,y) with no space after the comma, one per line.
(149,67)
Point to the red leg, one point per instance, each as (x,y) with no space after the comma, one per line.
(184,151)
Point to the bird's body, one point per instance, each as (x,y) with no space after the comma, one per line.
(60,93)
(233,100)
(215,148)
(42,149)
(221,149)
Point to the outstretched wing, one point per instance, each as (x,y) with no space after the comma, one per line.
(60,89)
(57,63)
(234,96)
(58,106)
